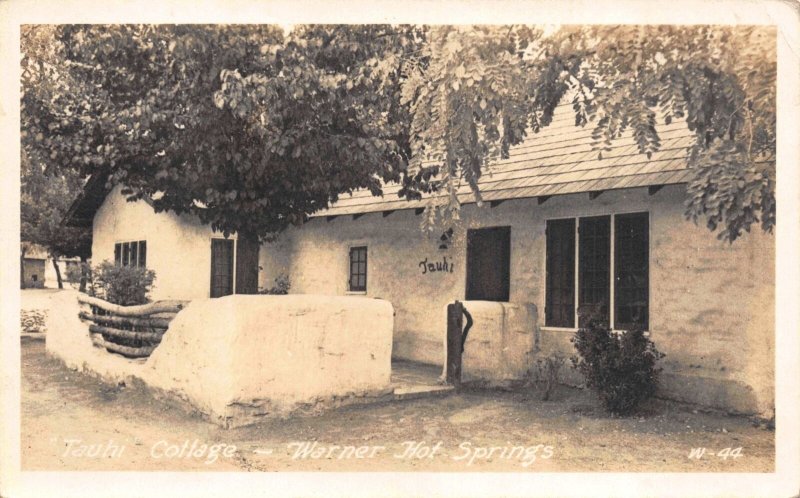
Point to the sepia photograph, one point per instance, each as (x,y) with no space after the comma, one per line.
(468,249)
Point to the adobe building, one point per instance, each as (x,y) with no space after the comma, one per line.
(561,232)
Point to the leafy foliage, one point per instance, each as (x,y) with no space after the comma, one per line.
(123,285)
(44,199)
(468,101)
(282,285)
(619,366)
(480,90)
(252,129)
(244,127)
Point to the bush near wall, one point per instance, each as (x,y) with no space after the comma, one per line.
(123,285)
(620,366)
(281,287)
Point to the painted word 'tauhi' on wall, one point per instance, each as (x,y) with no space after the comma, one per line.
(438,266)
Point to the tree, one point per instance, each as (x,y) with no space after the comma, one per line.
(242,126)
(479,91)
(44,199)
(252,129)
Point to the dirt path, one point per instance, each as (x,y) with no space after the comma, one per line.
(73,422)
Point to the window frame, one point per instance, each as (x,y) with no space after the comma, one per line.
(612,265)
(351,289)
(590,263)
(233,241)
(133,247)
(614,255)
(506,230)
(574,229)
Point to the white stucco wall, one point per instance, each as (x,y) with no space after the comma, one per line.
(502,341)
(178,247)
(711,303)
(241,353)
(239,358)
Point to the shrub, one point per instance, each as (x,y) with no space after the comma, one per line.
(123,285)
(619,366)
(281,287)
(547,374)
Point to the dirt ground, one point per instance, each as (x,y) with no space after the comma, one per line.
(36,299)
(71,421)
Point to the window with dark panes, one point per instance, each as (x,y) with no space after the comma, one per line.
(131,254)
(631,270)
(126,254)
(594,268)
(133,257)
(488,264)
(221,267)
(628,294)
(358,269)
(142,254)
(560,278)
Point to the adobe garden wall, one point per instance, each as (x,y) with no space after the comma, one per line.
(711,303)
(239,358)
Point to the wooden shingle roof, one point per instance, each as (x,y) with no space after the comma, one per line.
(557,160)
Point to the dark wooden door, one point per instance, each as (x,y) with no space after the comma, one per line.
(488,261)
(247,265)
(221,267)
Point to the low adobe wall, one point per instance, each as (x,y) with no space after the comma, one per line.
(501,344)
(68,339)
(255,355)
(239,358)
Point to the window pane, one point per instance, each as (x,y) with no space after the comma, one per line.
(143,253)
(488,264)
(126,254)
(221,267)
(358,269)
(118,254)
(631,271)
(594,268)
(134,257)
(560,292)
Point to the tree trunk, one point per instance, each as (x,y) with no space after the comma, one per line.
(84,272)
(22,269)
(58,273)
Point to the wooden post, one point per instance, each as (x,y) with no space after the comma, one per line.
(455,314)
